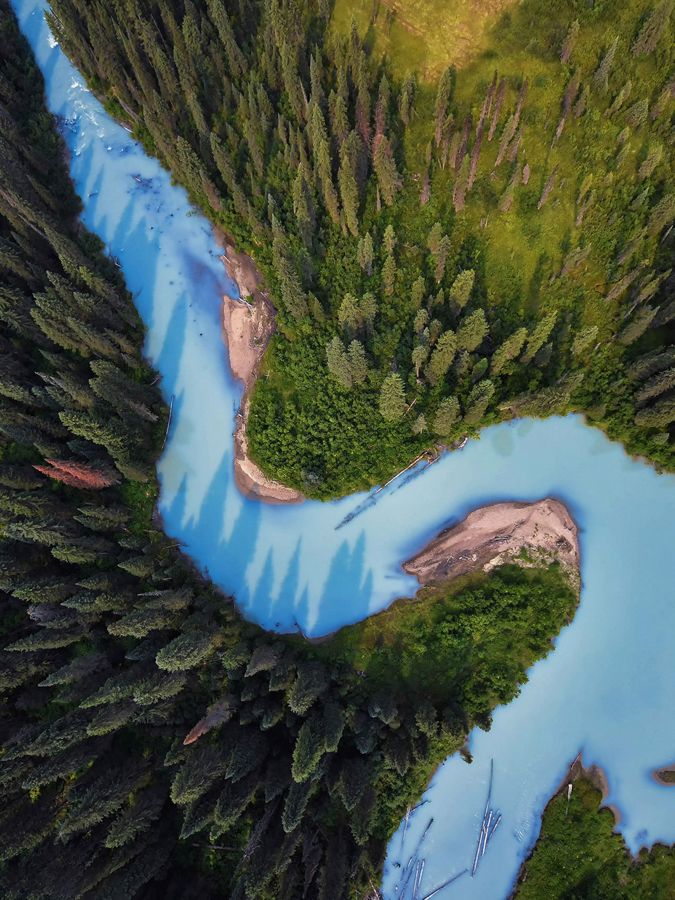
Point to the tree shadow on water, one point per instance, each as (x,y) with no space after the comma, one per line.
(223,559)
(280,611)
(168,360)
(347,591)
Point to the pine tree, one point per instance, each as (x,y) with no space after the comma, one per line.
(601,74)
(662,213)
(570,41)
(389,240)
(477,402)
(77,474)
(419,356)
(421,320)
(441,258)
(368,307)
(349,191)
(338,362)
(392,398)
(548,187)
(661,415)
(323,163)
(462,287)
(333,725)
(309,748)
(637,326)
(651,161)
(658,384)
(636,115)
(443,94)
(189,649)
(293,296)
(357,362)
(350,316)
(366,253)
(472,331)
(419,426)
(418,291)
(508,350)
(389,276)
(539,336)
(310,683)
(446,416)
(434,239)
(442,357)
(295,804)
(385,169)
(303,207)
(406,100)
(653,28)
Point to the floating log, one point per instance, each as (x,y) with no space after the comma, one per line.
(445,884)
(168,424)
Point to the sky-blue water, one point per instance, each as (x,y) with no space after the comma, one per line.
(606,689)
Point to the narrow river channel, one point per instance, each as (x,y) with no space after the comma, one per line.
(607,687)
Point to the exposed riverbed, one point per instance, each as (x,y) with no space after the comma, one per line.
(607,686)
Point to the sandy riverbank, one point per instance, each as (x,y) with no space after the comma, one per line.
(526,533)
(248,325)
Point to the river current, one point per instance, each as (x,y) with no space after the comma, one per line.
(606,689)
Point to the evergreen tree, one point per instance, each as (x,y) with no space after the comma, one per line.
(477,402)
(653,28)
(389,276)
(570,41)
(601,74)
(507,351)
(385,169)
(462,287)
(293,296)
(349,191)
(472,331)
(446,416)
(392,398)
(442,357)
(443,94)
(338,362)
(357,362)
(539,336)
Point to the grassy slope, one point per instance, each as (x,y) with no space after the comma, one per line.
(422,36)
(519,45)
(579,856)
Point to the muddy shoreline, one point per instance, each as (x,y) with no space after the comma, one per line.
(248,323)
(528,534)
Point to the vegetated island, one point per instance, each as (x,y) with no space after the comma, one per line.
(578,854)
(247,329)
(528,534)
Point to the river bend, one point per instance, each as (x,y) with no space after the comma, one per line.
(606,689)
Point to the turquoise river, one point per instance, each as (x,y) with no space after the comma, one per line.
(607,687)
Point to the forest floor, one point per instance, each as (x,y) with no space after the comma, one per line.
(247,329)
(523,533)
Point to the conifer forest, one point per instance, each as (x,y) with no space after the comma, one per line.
(446,248)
